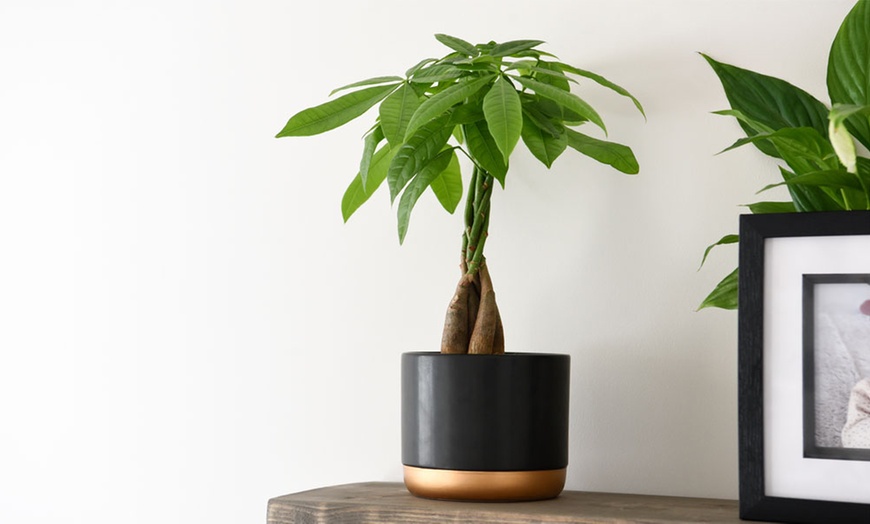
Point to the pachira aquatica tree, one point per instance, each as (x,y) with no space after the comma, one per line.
(476,102)
(820,166)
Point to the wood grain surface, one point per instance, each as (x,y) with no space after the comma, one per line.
(382,503)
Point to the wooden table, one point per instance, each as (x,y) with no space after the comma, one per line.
(382,503)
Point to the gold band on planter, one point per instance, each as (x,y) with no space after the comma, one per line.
(484,485)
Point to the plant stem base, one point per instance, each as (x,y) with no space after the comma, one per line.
(495,486)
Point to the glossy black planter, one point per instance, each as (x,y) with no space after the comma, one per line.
(485,427)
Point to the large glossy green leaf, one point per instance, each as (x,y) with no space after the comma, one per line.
(482,147)
(601,81)
(431,170)
(803,148)
(725,294)
(769,101)
(543,145)
(504,115)
(358,192)
(448,185)
(618,156)
(416,152)
(395,112)
(808,198)
(847,190)
(805,151)
(457,44)
(849,68)
(513,47)
(370,144)
(439,104)
(334,113)
(370,82)
(567,100)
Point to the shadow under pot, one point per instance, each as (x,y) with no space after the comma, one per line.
(485,427)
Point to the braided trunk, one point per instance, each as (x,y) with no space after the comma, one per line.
(473,323)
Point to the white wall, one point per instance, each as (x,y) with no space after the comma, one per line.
(187,328)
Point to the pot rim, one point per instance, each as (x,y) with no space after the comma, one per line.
(437,354)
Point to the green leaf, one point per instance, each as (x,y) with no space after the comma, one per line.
(437,73)
(840,112)
(752,125)
(371,142)
(514,46)
(845,190)
(448,185)
(523,66)
(567,100)
(371,81)
(335,113)
(808,198)
(835,178)
(416,152)
(725,294)
(769,101)
(427,174)
(358,193)
(542,144)
(550,74)
(531,111)
(418,66)
(457,44)
(484,151)
(618,156)
(849,68)
(439,104)
(504,115)
(533,53)
(467,113)
(760,208)
(601,81)
(538,106)
(395,112)
(727,239)
(803,148)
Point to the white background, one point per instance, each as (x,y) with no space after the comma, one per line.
(187,328)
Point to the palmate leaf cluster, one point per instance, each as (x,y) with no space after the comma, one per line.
(479,101)
(819,164)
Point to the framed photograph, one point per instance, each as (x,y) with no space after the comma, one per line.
(836,343)
(804,367)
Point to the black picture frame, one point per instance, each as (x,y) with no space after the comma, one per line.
(755,232)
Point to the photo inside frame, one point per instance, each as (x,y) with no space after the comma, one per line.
(837,366)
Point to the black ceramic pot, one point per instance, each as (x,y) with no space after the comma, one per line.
(485,427)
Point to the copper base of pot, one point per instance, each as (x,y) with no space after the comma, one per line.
(502,486)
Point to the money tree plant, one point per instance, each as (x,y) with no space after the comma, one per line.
(819,163)
(477,102)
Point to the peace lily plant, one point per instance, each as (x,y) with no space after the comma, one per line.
(477,102)
(822,170)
